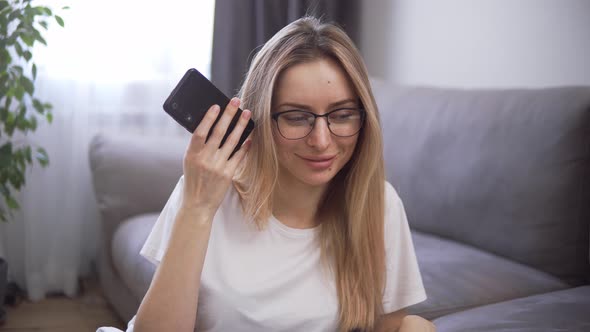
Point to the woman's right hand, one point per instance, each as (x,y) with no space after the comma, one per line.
(207,171)
(172,299)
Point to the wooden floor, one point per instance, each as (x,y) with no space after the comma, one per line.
(85,313)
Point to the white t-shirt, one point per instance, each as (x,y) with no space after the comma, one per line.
(272,280)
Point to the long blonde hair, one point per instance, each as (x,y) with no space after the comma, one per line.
(352,211)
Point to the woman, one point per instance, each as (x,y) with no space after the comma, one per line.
(298,231)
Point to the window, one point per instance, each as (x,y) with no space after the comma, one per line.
(113,40)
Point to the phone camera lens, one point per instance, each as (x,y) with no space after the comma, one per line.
(174,106)
(188,117)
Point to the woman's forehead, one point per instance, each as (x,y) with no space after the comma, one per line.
(321,82)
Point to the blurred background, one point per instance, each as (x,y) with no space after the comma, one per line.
(113,64)
(109,69)
(482,43)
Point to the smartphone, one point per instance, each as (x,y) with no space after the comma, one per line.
(192,97)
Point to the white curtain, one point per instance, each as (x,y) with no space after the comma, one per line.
(109,69)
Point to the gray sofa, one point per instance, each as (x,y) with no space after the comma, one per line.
(496,185)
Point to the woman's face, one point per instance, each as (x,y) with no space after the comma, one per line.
(319,87)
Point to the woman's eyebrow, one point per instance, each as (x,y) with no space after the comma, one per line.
(294,105)
(342,102)
(334,104)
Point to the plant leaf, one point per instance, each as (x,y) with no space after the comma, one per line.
(49,117)
(38,105)
(21,161)
(21,123)
(7,105)
(5,57)
(27,55)
(9,120)
(19,93)
(28,154)
(4,189)
(47,11)
(6,148)
(19,49)
(34,70)
(27,84)
(27,39)
(42,157)
(12,203)
(39,38)
(14,180)
(14,15)
(33,122)
(59,20)
(5,155)
(18,69)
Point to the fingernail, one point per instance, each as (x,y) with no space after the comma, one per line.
(235,101)
(216,108)
(246,114)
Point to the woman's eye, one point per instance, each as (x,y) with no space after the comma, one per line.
(296,117)
(343,115)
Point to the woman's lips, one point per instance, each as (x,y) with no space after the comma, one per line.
(319,163)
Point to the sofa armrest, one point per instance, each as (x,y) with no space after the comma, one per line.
(133,175)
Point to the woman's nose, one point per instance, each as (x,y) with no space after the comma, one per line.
(320,136)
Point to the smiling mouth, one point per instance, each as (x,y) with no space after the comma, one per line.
(319,159)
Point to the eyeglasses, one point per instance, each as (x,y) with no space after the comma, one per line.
(296,124)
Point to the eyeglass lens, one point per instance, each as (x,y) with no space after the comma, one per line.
(298,124)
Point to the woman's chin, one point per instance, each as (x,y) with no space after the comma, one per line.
(318,180)
(310,177)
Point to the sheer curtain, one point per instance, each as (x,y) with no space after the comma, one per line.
(109,69)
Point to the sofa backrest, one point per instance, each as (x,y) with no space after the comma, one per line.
(507,171)
(133,175)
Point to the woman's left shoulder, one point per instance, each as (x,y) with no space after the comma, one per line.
(391,196)
(394,207)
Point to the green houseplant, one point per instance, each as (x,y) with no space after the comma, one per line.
(20,29)
(21,25)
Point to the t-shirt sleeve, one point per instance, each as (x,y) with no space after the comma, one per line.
(403,285)
(155,246)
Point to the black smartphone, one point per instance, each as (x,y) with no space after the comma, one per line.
(192,97)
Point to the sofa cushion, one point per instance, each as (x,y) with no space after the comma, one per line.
(135,271)
(566,310)
(133,175)
(458,277)
(507,171)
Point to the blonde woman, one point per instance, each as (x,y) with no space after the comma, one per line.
(298,231)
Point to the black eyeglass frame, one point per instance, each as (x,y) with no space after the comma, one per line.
(275,116)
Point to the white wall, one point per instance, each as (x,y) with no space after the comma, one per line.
(478,43)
